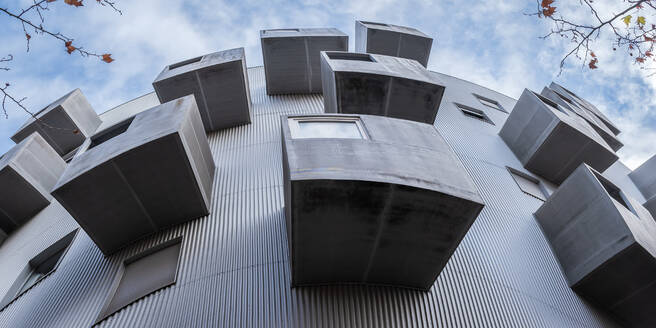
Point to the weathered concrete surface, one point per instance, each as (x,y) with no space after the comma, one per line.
(392,40)
(27,173)
(292,61)
(156,174)
(379,85)
(388,210)
(644,177)
(64,124)
(552,142)
(605,242)
(219,83)
(566,100)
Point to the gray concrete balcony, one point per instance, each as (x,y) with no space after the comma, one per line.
(582,103)
(355,83)
(392,40)
(292,63)
(552,141)
(140,176)
(28,171)
(562,98)
(219,83)
(64,124)
(372,200)
(605,243)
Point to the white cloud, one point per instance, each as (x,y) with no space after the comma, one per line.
(490,43)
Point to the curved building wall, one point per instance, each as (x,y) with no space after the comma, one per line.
(234,268)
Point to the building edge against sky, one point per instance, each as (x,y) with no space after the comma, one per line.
(262,257)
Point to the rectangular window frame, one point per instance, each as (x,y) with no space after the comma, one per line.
(294,128)
(485,101)
(543,190)
(119,276)
(18,288)
(474,113)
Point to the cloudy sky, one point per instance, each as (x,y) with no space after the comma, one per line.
(488,42)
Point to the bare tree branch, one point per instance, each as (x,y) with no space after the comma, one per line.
(32,18)
(637,37)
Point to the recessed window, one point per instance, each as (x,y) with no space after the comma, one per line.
(349,56)
(142,275)
(110,133)
(528,184)
(474,113)
(38,268)
(490,103)
(326,127)
(185,62)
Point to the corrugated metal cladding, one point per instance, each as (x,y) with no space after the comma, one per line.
(234,269)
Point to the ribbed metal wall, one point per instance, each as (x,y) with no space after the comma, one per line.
(234,270)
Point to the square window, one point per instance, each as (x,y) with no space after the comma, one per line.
(474,113)
(528,184)
(38,268)
(326,127)
(490,103)
(142,275)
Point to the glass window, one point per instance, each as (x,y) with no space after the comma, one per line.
(528,184)
(341,128)
(38,268)
(144,274)
(474,113)
(490,103)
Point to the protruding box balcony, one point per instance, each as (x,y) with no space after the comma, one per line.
(65,124)
(392,40)
(582,103)
(551,141)
(218,81)
(28,171)
(372,200)
(605,243)
(292,62)
(355,83)
(138,177)
(562,98)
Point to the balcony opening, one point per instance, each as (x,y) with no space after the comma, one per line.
(337,127)
(282,30)
(185,62)
(350,56)
(375,24)
(548,102)
(613,191)
(110,133)
(474,113)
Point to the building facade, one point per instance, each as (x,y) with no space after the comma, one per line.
(250,208)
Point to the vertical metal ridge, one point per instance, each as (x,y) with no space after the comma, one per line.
(234,268)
